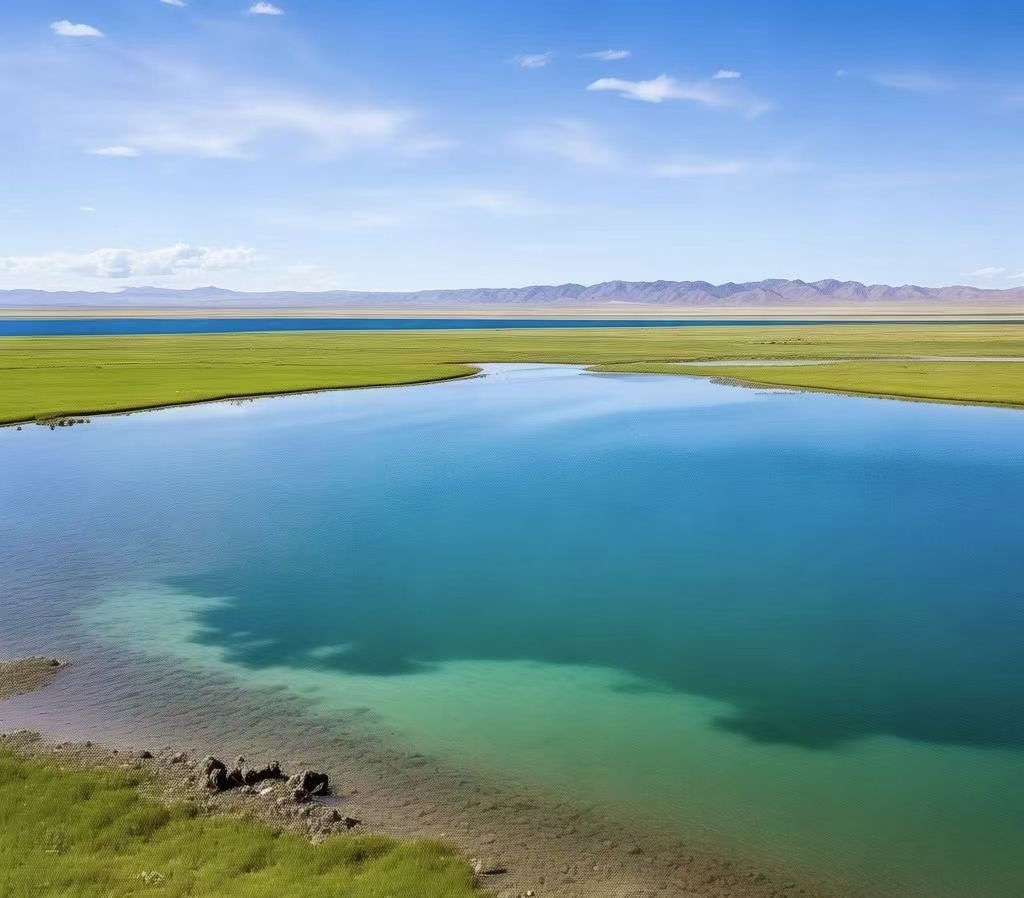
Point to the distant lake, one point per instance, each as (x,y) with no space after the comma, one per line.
(792,621)
(60,327)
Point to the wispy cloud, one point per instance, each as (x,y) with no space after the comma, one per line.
(235,126)
(569,139)
(262,8)
(606,55)
(726,75)
(380,209)
(174,2)
(86,208)
(701,168)
(69,29)
(710,93)
(912,82)
(533,60)
(118,264)
(126,104)
(990,271)
(125,152)
(504,203)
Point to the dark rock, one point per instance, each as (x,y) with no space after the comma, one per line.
(350,822)
(235,778)
(220,779)
(217,780)
(313,782)
(210,764)
(301,794)
(271,772)
(496,870)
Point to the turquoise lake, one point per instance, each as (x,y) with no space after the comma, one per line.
(792,621)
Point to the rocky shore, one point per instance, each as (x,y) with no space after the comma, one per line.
(518,844)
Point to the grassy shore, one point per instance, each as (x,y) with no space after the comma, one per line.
(96,832)
(989,383)
(47,377)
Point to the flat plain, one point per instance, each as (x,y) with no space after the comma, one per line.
(52,377)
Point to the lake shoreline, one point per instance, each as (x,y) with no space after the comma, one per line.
(596,368)
(50,378)
(547,847)
(55,421)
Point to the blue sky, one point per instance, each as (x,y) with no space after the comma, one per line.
(404,144)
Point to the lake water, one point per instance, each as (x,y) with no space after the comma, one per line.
(57,327)
(792,621)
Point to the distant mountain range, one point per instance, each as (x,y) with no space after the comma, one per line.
(774,292)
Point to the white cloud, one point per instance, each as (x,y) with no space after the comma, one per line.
(128,263)
(726,75)
(569,139)
(133,104)
(696,168)
(231,127)
(990,272)
(533,60)
(86,209)
(1017,277)
(915,83)
(606,55)
(174,2)
(706,93)
(69,29)
(496,202)
(115,151)
(262,8)
(382,209)
(703,167)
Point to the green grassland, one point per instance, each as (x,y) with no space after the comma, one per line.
(994,383)
(95,834)
(47,377)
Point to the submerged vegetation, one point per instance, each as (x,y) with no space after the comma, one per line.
(57,377)
(95,832)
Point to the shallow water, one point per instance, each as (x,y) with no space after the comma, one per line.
(793,622)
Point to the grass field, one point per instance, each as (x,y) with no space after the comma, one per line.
(47,377)
(94,834)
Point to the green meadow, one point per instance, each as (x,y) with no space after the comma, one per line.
(96,834)
(48,377)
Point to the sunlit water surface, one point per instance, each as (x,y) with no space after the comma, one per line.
(794,622)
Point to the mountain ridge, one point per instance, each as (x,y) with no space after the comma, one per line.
(772,291)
